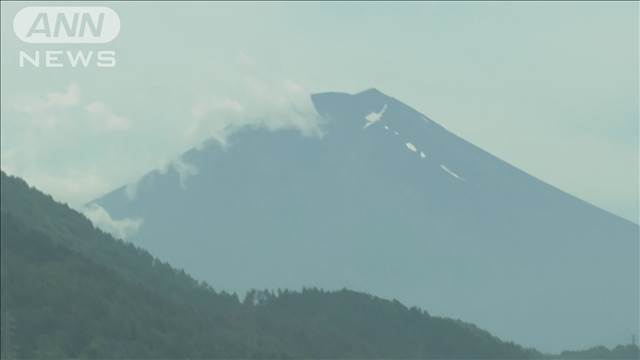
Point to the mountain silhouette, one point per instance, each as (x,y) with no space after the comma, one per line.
(389,202)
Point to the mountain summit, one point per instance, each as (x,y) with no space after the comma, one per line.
(389,202)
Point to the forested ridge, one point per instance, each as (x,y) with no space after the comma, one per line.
(70,290)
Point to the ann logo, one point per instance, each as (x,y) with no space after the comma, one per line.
(66,25)
(77,26)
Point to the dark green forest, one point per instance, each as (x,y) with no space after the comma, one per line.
(600,352)
(70,290)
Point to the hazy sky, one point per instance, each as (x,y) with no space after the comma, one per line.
(549,87)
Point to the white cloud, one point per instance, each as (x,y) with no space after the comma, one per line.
(45,110)
(245,59)
(274,105)
(58,143)
(62,100)
(225,110)
(199,110)
(72,186)
(105,118)
(293,87)
(75,146)
(185,170)
(131,190)
(101,219)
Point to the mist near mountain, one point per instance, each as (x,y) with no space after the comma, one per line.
(389,202)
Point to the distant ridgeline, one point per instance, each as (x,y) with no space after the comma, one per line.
(72,291)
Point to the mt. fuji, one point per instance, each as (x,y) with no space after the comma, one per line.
(389,202)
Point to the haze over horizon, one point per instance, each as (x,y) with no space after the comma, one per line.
(559,102)
(320,179)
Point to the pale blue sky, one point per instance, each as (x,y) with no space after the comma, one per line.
(549,87)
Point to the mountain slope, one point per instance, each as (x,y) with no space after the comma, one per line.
(389,202)
(71,291)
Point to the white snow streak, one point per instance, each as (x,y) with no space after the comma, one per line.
(374,117)
(451,173)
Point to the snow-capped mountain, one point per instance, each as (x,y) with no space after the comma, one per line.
(391,203)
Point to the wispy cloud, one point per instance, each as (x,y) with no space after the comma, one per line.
(105,118)
(257,102)
(245,60)
(101,219)
(131,190)
(185,170)
(45,110)
(50,143)
(182,168)
(69,98)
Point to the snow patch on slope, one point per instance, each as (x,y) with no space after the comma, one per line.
(374,117)
(446,169)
